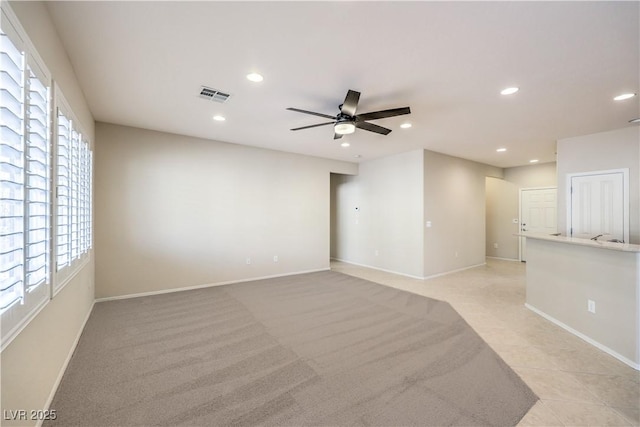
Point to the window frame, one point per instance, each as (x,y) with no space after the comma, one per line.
(19,314)
(63,275)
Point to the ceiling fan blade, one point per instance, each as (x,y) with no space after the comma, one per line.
(326,116)
(337,135)
(384,114)
(373,128)
(313,126)
(350,103)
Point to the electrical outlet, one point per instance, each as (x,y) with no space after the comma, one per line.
(377,253)
(495,246)
(591,306)
(275,258)
(248,261)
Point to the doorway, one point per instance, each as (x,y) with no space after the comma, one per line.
(538,213)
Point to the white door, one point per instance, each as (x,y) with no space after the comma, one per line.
(597,206)
(538,213)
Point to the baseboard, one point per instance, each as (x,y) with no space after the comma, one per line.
(56,384)
(504,259)
(379,269)
(433,276)
(409,275)
(207,285)
(582,336)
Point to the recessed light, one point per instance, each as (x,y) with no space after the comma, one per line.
(637,120)
(501,150)
(219,118)
(534,161)
(345,144)
(624,96)
(509,90)
(255,77)
(405,125)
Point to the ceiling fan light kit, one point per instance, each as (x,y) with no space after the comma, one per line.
(347,121)
(344,128)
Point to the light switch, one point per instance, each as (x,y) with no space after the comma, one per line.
(428,224)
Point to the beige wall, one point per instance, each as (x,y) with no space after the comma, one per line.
(396,195)
(602,151)
(562,277)
(503,198)
(454,202)
(175,211)
(502,208)
(533,176)
(384,231)
(33,362)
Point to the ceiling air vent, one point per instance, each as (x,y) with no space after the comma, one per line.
(213,94)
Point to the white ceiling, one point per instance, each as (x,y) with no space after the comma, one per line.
(142,64)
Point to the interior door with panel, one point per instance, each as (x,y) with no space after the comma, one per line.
(597,206)
(538,213)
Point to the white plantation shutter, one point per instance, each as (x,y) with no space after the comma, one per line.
(38,184)
(73,233)
(75,194)
(63,191)
(12,171)
(29,206)
(90,198)
(25,162)
(85,210)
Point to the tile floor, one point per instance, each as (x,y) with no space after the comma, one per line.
(578,384)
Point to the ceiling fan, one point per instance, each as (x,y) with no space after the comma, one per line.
(347,121)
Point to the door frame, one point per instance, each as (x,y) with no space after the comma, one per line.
(625,197)
(520,238)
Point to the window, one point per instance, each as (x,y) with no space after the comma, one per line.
(38,159)
(45,236)
(63,192)
(12,153)
(25,168)
(73,194)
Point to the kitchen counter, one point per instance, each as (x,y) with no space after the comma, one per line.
(590,288)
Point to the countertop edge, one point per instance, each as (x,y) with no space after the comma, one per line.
(621,247)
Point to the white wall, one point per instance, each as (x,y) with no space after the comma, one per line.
(602,151)
(388,195)
(503,205)
(33,362)
(454,202)
(175,211)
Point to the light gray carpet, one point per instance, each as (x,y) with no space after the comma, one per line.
(313,349)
